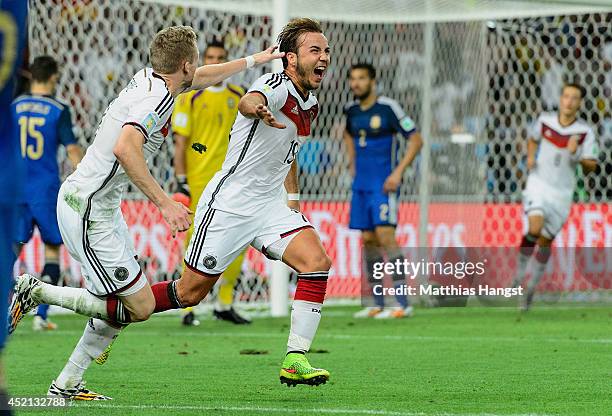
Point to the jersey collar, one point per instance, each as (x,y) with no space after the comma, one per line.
(220,88)
(297,90)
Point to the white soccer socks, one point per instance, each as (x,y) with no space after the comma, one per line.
(97,336)
(83,302)
(306,310)
(75,299)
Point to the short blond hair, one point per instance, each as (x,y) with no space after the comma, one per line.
(171,47)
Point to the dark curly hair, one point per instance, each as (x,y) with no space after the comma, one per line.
(289,36)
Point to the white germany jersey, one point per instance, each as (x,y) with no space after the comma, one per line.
(95,187)
(555,166)
(259,156)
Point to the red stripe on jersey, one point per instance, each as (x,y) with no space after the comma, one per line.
(301,118)
(558,139)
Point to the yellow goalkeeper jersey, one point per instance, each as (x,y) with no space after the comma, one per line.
(205,118)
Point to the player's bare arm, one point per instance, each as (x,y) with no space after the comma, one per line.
(414,147)
(292,186)
(208,75)
(128,152)
(532,149)
(350,150)
(75,154)
(253,105)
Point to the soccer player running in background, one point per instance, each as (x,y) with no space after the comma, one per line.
(372,122)
(132,130)
(244,203)
(201,124)
(43,123)
(559,142)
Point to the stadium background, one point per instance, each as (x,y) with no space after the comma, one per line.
(474,81)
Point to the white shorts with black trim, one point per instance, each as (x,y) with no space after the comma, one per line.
(540,199)
(104,249)
(220,236)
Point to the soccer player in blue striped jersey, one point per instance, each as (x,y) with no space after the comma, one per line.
(372,123)
(43,123)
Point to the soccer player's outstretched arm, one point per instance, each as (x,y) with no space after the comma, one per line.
(129,153)
(254,105)
(208,75)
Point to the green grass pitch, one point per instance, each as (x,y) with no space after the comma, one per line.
(459,361)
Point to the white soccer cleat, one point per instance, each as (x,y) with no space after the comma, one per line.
(396,313)
(75,393)
(23,301)
(40,324)
(369,312)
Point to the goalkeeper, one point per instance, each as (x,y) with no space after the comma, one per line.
(202,122)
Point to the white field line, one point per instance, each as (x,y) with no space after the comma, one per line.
(301,411)
(325,334)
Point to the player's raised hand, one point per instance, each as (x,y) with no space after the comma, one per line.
(268,55)
(177,215)
(266,115)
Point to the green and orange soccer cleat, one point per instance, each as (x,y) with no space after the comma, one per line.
(297,370)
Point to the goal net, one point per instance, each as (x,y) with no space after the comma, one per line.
(473,74)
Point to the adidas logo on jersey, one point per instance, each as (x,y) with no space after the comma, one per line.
(295,111)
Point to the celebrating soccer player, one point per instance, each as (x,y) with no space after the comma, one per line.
(44,123)
(132,130)
(558,143)
(244,203)
(201,124)
(372,121)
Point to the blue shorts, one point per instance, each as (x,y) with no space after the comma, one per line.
(370,209)
(41,214)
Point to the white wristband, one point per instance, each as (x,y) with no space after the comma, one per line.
(250,61)
(293,197)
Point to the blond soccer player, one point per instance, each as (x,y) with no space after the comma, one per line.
(132,129)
